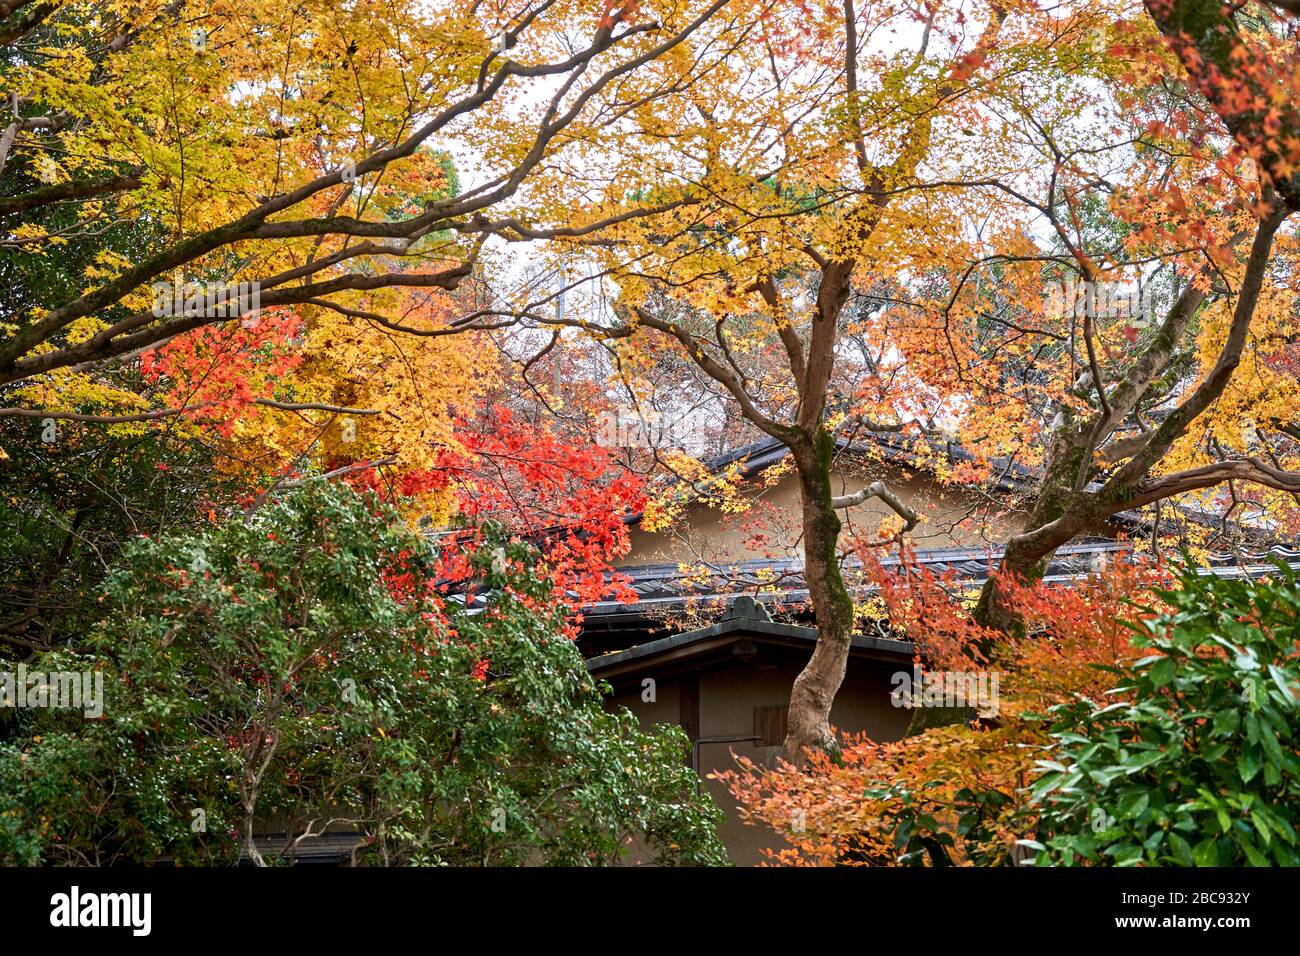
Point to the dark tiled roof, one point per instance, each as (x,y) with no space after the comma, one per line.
(747,621)
(670,586)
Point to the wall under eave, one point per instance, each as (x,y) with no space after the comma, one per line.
(728,694)
(950,517)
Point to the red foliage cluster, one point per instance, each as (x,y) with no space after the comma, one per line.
(838,809)
(927,608)
(569,498)
(216,372)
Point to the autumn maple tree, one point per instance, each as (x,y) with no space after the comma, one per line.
(294,161)
(876,241)
(252,249)
(1102,454)
(154,153)
(800,178)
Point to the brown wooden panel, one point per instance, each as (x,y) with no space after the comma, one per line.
(770,725)
(688,697)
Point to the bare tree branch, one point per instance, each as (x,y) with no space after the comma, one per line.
(878,489)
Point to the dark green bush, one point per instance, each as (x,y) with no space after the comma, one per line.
(1193,761)
(295,673)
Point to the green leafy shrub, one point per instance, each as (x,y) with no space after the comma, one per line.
(1194,762)
(297,673)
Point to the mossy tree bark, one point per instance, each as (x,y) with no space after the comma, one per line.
(815,688)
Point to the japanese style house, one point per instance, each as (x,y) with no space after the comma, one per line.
(725,677)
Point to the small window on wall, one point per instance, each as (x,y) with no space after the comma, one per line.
(770,725)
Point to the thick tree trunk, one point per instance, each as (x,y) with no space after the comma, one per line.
(250,842)
(815,688)
(1028,554)
(1025,560)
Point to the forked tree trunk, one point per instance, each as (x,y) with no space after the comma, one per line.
(1064,508)
(250,841)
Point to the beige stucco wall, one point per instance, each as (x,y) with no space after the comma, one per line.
(950,517)
(728,695)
